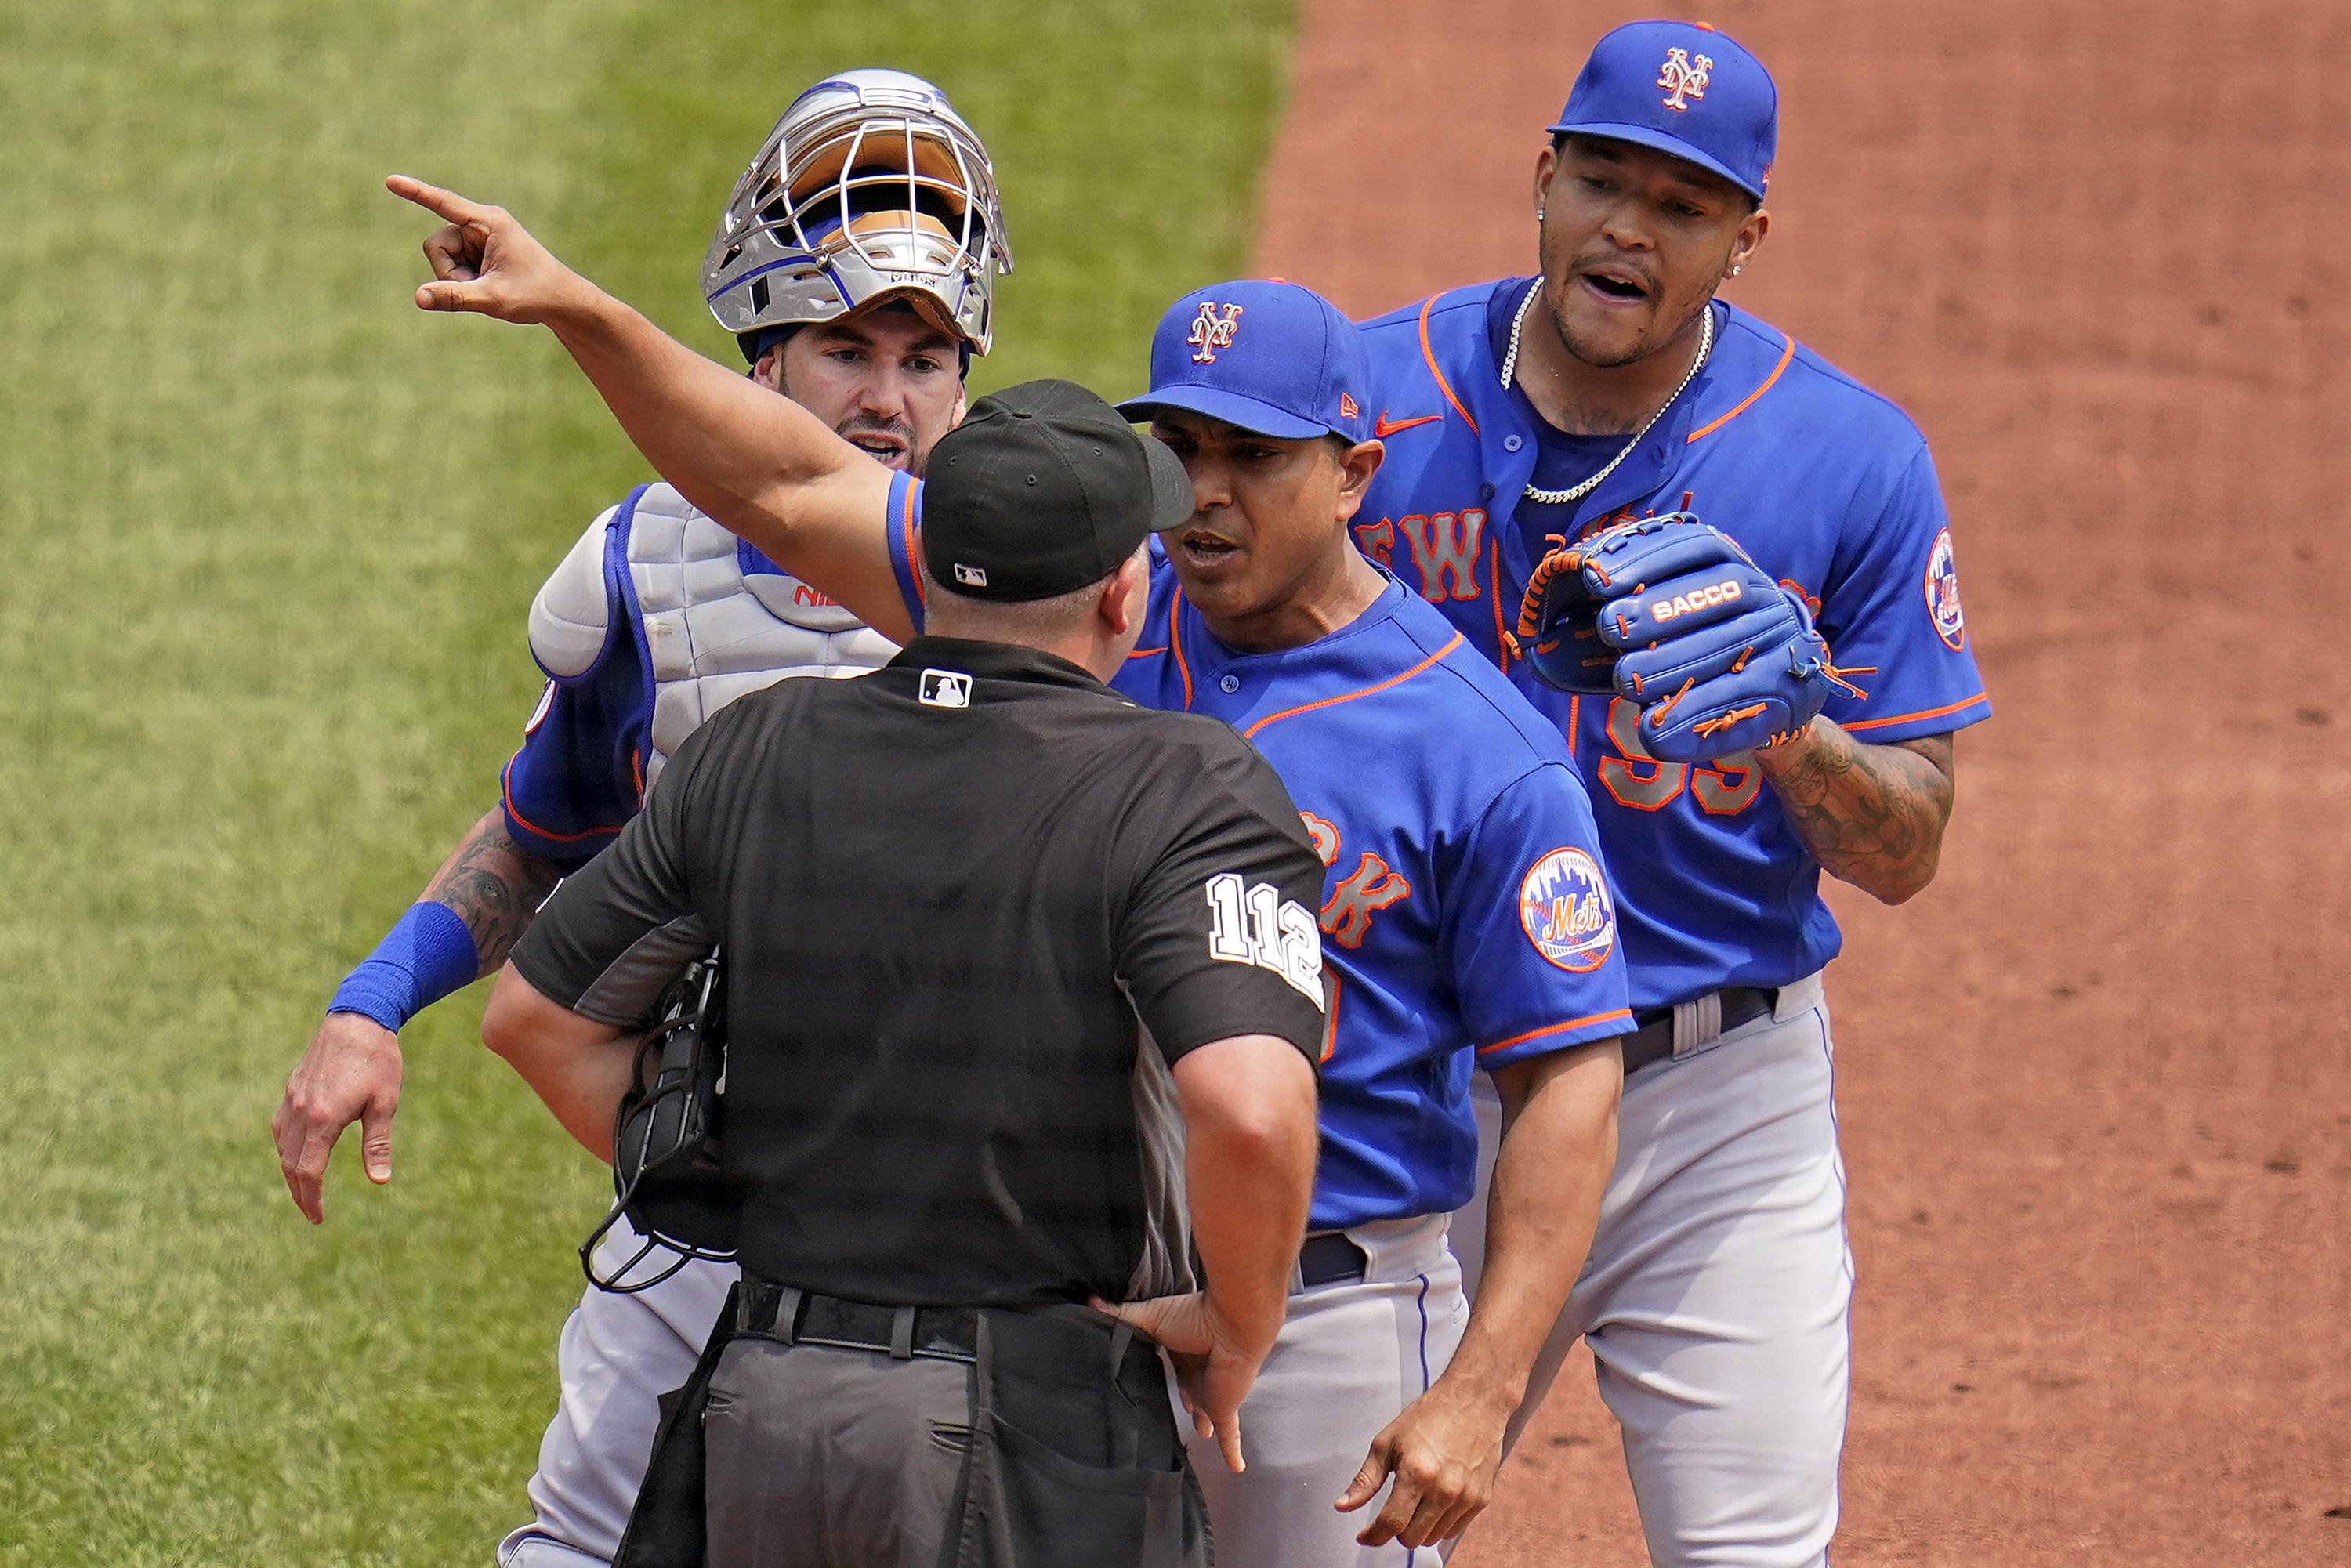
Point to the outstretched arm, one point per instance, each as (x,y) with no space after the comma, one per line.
(351,1071)
(1559,1144)
(1872,815)
(761,464)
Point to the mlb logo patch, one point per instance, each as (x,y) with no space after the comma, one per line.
(971,575)
(944,688)
(1565,910)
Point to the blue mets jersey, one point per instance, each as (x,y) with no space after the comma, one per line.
(1825,483)
(1466,918)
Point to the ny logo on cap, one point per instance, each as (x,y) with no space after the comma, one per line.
(1211,331)
(1683,78)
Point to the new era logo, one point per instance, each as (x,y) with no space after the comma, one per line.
(971,575)
(945,688)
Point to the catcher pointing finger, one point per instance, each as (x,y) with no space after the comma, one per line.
(858,290)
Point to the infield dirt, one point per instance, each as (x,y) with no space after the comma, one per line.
(2095,1083)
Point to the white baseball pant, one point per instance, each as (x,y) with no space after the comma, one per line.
(617,1355)
(1348,1359)
(1717,1295)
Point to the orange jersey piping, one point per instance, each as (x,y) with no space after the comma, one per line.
(1175,645)
(1494,572)
(1930,713)
(906,524)
(1786,354)
(1442,385)
(1331,1024)
(1250,733)
(1623,1013)
(505,799)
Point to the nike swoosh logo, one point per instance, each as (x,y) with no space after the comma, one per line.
(1383,427)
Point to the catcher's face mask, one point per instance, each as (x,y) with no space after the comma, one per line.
(870,188)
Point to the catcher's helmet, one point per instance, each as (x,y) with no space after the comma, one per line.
(870,187)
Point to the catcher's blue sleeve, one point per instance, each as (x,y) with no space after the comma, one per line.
(579,776)
(1892,600)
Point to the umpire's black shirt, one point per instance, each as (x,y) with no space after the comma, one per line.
(937,886)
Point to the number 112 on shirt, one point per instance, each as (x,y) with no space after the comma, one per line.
(1253,923)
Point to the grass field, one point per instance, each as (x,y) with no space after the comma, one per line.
(269,535)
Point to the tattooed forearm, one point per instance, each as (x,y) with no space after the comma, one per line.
(494,886)
(1872,815)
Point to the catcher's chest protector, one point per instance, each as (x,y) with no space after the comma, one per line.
(713,631)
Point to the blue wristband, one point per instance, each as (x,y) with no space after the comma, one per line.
(427,955)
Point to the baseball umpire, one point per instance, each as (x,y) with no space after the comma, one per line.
(972,908)
(1751,698)
(1474,919)
(856,262)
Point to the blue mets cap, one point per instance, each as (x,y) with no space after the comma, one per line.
(1270,357)
(1683,89)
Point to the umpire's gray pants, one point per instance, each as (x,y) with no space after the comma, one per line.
(842,1458)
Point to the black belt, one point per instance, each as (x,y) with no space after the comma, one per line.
(1652,1039)
(794,1316)
(1330,1259)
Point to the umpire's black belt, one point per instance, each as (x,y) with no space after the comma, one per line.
(792,1316)
(1652,1039)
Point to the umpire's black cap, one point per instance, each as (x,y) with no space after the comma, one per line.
(1043,489)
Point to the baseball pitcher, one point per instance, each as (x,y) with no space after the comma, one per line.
(1722,567)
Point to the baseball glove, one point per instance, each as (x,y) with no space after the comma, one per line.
(1673,615)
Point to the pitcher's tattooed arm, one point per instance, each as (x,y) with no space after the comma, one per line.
(494,885)
(1872,815)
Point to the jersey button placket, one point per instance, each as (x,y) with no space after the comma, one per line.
(1228,684)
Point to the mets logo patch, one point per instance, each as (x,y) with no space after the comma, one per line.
(1563,905)
(1943,594)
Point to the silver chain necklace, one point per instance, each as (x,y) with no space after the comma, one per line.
(1577,493)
